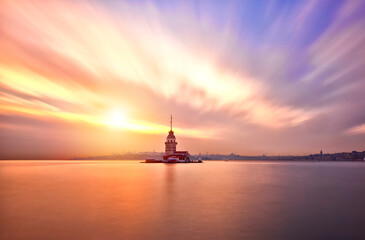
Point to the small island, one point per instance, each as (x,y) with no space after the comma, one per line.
(171,155)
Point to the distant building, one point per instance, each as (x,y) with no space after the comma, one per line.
(170,147)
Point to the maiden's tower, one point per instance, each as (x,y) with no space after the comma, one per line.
(171,155)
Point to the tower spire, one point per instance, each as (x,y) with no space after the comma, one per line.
(171,123)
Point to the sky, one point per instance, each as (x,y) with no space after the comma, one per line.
(86,78)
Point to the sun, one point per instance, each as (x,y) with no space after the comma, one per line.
(117,118)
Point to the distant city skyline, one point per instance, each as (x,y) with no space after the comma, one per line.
(86,78)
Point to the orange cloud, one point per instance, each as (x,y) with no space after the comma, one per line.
(124,48)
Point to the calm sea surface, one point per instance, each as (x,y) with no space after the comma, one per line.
(214,200)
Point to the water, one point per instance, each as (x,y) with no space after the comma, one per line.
(213,200)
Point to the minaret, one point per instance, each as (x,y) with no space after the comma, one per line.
(170,144)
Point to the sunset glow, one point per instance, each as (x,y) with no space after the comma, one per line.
(117,119)
(283,80)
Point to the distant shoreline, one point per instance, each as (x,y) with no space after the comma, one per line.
(343,156)
(324,157)
(218,160)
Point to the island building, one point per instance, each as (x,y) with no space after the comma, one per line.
(170,148)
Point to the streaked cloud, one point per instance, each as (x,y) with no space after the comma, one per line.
(280,70)
(357,130)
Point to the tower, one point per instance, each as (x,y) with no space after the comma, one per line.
(170,144)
